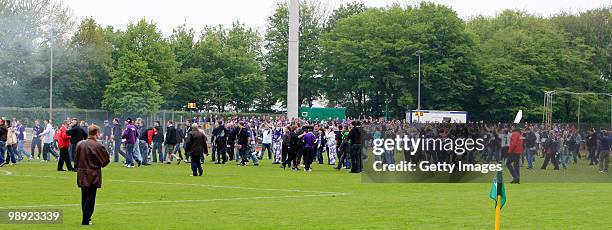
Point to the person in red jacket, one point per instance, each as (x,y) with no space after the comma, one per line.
(515,149)
(150,133)
(63,142)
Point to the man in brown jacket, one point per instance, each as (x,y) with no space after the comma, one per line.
(90,157)
(195,144)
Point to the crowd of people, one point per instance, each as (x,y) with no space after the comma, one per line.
(292,143)
(298,143)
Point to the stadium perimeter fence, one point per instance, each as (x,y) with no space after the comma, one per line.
(28,115)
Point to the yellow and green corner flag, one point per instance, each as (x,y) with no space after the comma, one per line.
(497,189)
(498,193)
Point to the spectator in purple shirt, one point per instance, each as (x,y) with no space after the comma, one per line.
(309,149)
(130,134)
(20,132)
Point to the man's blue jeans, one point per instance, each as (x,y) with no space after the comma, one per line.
(117,150)
(71,152)
(319,154)
(2,150)
(144,151)
(177,149)
(52,151)
(129,153)
(267,146)
(157,151)
(242,152)
(565,157)
(46,150)
(137,156)
(36,142)
(252,156)
(169,151)
(530,158)
(11,154)
(20,151)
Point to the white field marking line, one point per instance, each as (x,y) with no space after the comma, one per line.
(6,173)
(200,185)
(176,201)
(224,186)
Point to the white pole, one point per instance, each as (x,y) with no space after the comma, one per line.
(552,104)
(419,100)
(293,65)
(51,79)
(578,112)
(544,108)
(547,109)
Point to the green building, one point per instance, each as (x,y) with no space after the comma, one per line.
(311,113)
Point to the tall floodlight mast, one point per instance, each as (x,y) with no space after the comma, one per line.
(292,73)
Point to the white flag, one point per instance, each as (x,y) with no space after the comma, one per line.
(518,117)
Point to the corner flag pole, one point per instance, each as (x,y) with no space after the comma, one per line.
(498,212)
(498,192)
(498,205)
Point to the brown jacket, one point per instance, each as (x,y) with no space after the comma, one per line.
(90,158)
(195,143)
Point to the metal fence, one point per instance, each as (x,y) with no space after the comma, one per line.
(28,115)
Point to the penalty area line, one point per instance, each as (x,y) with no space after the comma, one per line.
(198,185)
(225,186)
(178,201)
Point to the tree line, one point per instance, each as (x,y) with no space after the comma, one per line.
(358,57)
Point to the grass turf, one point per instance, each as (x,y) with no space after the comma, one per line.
(266,197)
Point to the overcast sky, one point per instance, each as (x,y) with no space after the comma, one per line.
(254,13)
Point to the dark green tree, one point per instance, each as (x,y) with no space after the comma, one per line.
(231,74)
(592,26)
(521,56)
(371,62)
(133,88)
(144,39)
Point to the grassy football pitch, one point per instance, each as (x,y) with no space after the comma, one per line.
(266,197)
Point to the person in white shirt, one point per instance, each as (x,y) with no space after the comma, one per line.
(266,142)
(330,137)
(47,139)
(277,137)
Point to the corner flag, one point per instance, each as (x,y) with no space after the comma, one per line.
(498,193)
